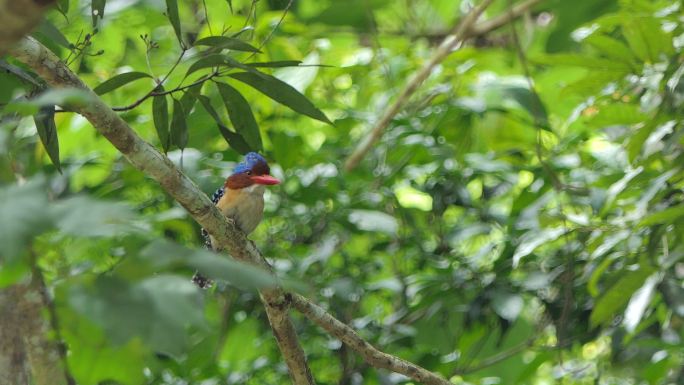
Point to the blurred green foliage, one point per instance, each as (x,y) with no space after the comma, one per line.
(498,233)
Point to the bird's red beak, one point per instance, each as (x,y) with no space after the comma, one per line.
(265,179)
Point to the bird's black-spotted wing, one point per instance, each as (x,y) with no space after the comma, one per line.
(200,280)
(214,198)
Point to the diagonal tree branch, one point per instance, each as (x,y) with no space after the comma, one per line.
(447,46)
(467,28)
(370,354)
(17,18)
(150,161)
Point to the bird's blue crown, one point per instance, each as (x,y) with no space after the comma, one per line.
(251,159)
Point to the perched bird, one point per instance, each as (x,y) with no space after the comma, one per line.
(242,199)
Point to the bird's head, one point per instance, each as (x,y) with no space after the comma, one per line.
(252,171)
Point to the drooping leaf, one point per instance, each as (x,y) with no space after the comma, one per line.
(282,93)
(97,10)
(172,13)
(225,42)
(48,29)
(47,131)
(160,115)
(179,128)
(119,81)
(241,115)
(235,141)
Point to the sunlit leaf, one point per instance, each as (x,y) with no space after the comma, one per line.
(368,220)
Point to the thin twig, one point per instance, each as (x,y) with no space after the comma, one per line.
(514,12)
(370,354)
(270,34)
(445,48)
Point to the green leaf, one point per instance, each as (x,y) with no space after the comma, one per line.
(276,64)
(157,310)
(172,13)
(646,38)
(235,141)
(163,253)
(51,97)
(97,10)
(179,128)
(47,131)
(118,81)
(160,115)
(282,93)
(87,217)
(241,115)
(585,61)
(529,101)
(218,60)
(618,295)
(63,7)
(48,29)
(610,47)
(668,215)
(225,42)
(23,214)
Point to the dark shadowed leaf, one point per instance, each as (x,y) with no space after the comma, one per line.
(160,114)
(47,131)
(282,93)
(241,115)
(225,42)
(179,128)
(235,141)
(97,10)
(118,81)
(172,13)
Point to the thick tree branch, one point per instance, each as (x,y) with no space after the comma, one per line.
(370,354)
(150,161)
(17,18)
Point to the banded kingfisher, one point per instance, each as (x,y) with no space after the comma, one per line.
(242,199)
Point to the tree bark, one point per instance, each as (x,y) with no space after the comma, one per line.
(28,353)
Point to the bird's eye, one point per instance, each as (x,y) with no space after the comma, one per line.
(249,173)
